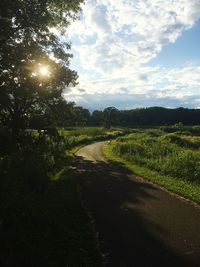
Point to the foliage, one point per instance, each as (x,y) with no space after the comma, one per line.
(97,118)
(42,218)
(176,155)
(153,116)
(187,189)
(110,115)
(26,28)
(40,206)
(82,135)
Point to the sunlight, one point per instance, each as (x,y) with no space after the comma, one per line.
(44,71)
(41,71)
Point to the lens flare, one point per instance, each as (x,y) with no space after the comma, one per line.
(44,71)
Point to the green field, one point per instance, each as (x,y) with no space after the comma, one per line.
(168,156)
(76,137)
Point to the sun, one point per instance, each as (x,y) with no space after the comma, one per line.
(44,71)
(41,71)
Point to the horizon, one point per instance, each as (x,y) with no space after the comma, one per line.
(136,54)
(138,108)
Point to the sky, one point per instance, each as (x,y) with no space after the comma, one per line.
(136,53)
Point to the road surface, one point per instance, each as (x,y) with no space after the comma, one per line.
(138,224)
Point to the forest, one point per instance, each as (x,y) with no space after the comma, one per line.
(111,116)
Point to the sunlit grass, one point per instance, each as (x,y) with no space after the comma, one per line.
(169,159)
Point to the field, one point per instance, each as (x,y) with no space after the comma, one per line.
(42,219)
(168,156)
(76,137)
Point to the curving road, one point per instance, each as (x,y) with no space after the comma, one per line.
(138,224)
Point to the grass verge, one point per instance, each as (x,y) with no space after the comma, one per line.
(186,189)
(43,221)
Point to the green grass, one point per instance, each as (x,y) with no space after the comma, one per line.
(170,160)
(76,137)
(48,228)
(43,221)
(42,218)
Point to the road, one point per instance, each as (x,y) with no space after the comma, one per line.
(138,223)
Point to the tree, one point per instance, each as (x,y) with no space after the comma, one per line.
(82,116)
(110,116)
(97,118)
(34,64)
(59,114)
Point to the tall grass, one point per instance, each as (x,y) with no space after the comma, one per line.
(174,154)
(82,135)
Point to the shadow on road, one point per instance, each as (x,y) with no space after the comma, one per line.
(126,211)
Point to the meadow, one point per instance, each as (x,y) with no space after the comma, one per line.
(167,155)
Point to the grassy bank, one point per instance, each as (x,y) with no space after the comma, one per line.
(42,218)
(168,156)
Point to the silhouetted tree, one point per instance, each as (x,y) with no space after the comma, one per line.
(145,117)
(97,118)
(110,116)
(158,116)
(82,116)
(26,45)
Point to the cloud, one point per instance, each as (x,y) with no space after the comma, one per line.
(115,40)
(146,88)
(131,101)
(129,33)
(185,80)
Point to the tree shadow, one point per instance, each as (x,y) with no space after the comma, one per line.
(125,212)
(47,228)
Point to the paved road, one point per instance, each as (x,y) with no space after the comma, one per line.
(138,223)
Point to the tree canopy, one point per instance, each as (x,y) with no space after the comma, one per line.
(144,117)
(34,63)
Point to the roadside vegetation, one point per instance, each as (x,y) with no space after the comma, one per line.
(42,218)
(168,156)
(78,136)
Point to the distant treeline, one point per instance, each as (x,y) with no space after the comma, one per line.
(67,114)
(71,115)
(145,116)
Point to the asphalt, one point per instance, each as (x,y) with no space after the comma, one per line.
(137,223)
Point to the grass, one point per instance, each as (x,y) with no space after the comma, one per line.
(78,136)
(49,228)
(42,218)
(171,160)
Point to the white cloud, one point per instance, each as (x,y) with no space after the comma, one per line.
(128,33)
(176,82)
(117,38)
(130,101)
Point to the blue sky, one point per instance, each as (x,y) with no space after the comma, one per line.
(185,50)
(136,53)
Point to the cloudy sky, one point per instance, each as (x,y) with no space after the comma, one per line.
(137,53)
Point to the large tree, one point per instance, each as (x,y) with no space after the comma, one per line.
(110,116)
(34,63)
